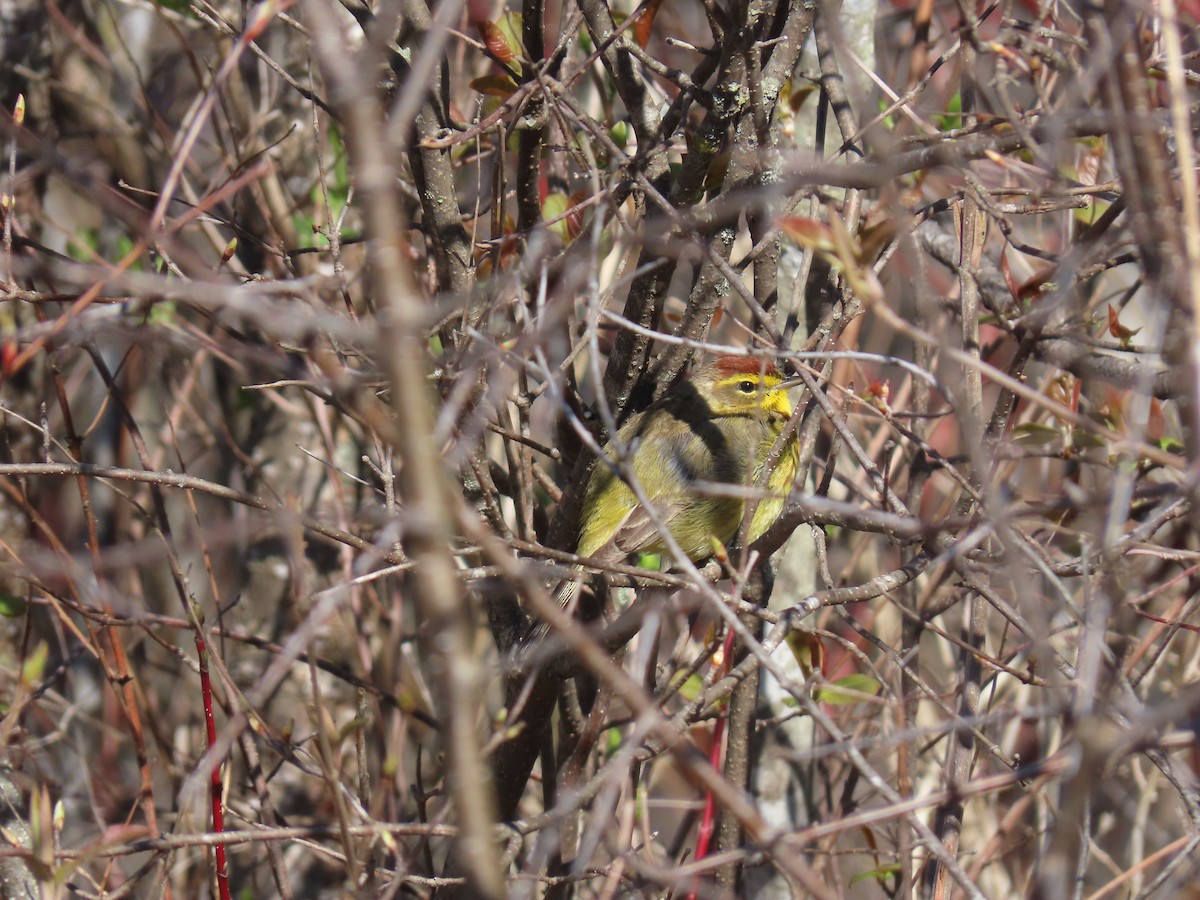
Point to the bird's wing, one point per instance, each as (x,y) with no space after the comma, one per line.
(666,462)
(638,532)
(623,527)
(665,466)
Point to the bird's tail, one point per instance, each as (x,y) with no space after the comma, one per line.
(566,595)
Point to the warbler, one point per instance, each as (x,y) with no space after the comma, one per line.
(718,426)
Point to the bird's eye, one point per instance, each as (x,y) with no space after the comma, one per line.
(746,387)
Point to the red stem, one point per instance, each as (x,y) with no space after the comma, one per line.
(210,725)
(709,819)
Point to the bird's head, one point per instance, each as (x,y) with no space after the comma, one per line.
(737,385)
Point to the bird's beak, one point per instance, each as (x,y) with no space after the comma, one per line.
(777,402)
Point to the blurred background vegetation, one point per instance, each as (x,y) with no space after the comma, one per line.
(312,315)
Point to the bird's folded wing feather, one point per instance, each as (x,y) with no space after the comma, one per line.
(665,466)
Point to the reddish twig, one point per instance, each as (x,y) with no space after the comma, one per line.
(708,822)
(210,729)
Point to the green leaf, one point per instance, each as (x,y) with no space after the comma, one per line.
(391,765)
(494,86)
(183,7)
(1035,433)
(620,134)
(556,204)
(889,122)
(651,561)
(34,666)
(11,606)
(848,690)
(84,245)
(612,741)
(807,650)
(880,874)
(163,313)
(691,688)
(952,117)
(1083,440)
(1087,215)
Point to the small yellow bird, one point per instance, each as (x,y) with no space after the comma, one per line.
(717,426)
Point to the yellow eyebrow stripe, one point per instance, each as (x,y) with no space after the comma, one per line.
(767,382)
